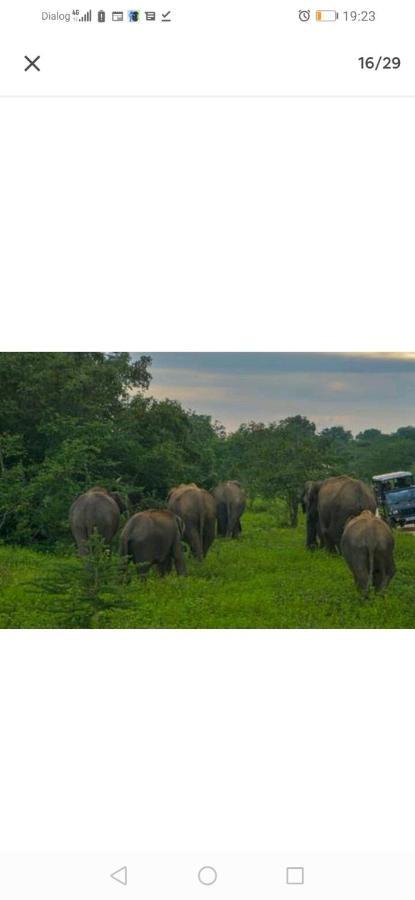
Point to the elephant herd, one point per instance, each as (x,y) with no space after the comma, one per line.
(341,516)
(154,536)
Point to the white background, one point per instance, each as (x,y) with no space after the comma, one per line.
(207,225)
(207,741)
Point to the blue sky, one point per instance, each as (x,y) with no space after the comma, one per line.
(356,390)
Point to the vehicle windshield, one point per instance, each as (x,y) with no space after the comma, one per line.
(397,495)
(388,487)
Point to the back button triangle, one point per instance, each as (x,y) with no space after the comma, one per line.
(120,875)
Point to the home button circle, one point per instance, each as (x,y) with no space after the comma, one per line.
(207,875)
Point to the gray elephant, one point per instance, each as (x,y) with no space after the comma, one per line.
(367,546)
(329,504)
(153,538)
(95,509)
(230,503)
(197,508)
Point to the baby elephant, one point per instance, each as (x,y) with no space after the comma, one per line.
(153,537)
(367,546)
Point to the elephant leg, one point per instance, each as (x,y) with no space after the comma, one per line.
(313,528)
(382,575)
(229,521)
(208,535)
(178,556)
(195,543)
(143,569)
(361,571)
(320,538)
(164,567)
(222,520)
(329,543)
(237,529)
(362,583)
(234,525)
(81,538)
(381,579)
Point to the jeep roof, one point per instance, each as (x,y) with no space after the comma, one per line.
(390,476)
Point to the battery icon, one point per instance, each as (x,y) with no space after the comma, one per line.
(326,15)
(101,15)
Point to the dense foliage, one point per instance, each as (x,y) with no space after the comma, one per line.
(69,421)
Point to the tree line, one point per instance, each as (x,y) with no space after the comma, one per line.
(70,421)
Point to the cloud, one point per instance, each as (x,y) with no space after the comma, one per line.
(337,386)
(240,363)
(354,390)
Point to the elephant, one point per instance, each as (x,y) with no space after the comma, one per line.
(230,503)
(95,509)
(153,537)
(197,508)
(329,504)
(367,546)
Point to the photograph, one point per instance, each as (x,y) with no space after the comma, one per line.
(162,490)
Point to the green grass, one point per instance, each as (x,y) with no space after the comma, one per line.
(267,579)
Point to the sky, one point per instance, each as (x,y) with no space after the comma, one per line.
(356,390)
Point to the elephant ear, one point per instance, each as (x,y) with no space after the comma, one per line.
(311,503)
(304,497)
(115,495)
(312,495)
(181,526)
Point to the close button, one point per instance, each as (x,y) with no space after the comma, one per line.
(32,63)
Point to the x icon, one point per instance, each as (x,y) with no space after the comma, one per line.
(32,62)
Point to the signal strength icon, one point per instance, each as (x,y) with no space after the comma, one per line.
(87,17)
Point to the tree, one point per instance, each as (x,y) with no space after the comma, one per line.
(46,397)
(369,436)
(96,427)
(407,432)
(302,456)
(58,416)
(337,435)
(275,460)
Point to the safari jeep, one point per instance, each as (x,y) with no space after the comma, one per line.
(395,497)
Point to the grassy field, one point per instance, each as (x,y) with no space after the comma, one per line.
(264,580)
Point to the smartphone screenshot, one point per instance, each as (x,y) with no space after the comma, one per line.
(207,451)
